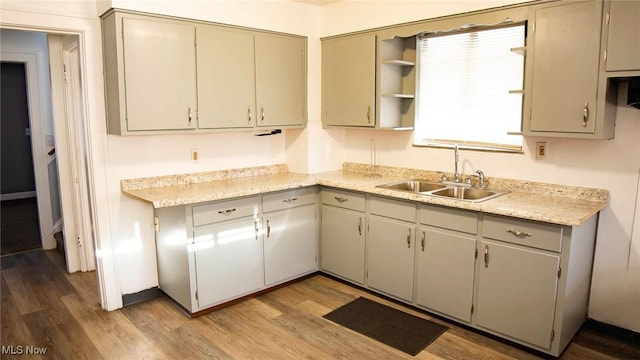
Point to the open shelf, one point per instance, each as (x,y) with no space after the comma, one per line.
(399,62)
(400,96)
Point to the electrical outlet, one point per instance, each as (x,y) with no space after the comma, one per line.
(541,150)
(194,155)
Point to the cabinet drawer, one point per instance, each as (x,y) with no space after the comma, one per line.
(288,199)
(448,218)
(523,232)
(343,199)
(395,209)
(225,210)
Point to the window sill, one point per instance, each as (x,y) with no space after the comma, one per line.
(496,148)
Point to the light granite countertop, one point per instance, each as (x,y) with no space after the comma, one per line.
(558,204)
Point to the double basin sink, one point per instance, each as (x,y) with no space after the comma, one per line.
(459,192)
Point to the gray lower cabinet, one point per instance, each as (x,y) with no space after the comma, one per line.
(517,292)
(533,280)
(289,232)
(522,280)
(390,247)
(227,261)
(445,261)
(343,234)
(214,252)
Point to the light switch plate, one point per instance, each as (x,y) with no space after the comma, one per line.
(194,155)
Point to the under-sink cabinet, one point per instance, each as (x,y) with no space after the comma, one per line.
(391,229)
(445,261)
(214,252)
(342,232)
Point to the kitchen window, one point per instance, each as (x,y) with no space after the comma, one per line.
(470,88)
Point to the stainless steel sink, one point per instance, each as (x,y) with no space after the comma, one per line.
(416,186)
(470,194)
(429,188)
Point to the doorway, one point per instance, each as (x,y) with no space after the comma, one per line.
(20,226)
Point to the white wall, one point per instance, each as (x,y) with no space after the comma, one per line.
(613,165)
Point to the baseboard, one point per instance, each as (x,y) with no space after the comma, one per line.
(144,295)
(614,332)
(18,195)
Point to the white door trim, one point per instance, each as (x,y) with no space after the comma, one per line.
(38,141)
(90,40)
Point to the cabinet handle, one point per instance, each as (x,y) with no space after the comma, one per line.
(289,200)
(486,256)
(340,199)
(369,114)
(255,222)
(519,233)
(249,113)
(262,115)
(268,229)
(585,114)
(227,212)
(189,115)
(360,226)
(424,238)
(409,239)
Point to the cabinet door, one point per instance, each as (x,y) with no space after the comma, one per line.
(390,256)
(228,261)
(517,292)
(445,272)
(280,80)
(623,49)
(343,238)
(348,81)
(160,74)
(226,82)
(290,245)
(565,68)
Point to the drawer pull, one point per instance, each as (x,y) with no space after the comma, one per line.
(424,238)
(519,233)
(227,212)
(486,256)
(289,200)
(409,239)
(340,199)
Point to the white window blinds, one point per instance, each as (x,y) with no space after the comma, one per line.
(470,88)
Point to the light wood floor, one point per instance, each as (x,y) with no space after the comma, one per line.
(43,306)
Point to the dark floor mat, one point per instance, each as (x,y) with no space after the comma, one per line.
(20,230)
(395,328)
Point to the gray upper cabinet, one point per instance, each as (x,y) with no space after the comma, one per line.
(623,48)
(568,95)
(280,74)
(155,92)
(348,81)
(226,84)
(167,75)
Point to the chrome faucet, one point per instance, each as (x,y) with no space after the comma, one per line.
(456,175)
(480,178)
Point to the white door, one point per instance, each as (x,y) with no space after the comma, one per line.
(38,144)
